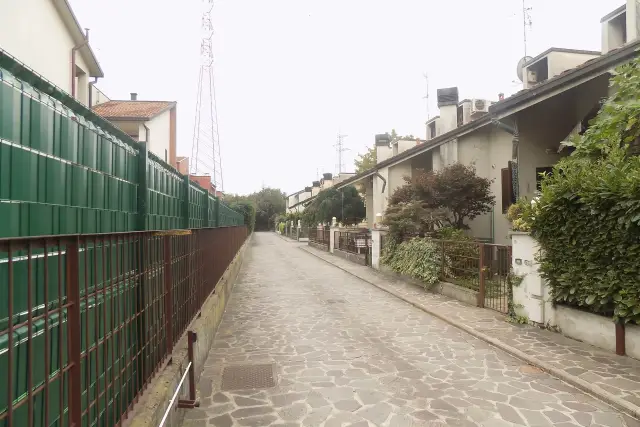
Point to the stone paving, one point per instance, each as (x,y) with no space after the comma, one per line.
(349,354)
(618,375)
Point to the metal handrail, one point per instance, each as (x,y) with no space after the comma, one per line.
(175,395)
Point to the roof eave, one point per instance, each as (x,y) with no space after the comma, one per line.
(595,68)
(419,149)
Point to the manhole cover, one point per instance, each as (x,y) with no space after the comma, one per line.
(335,301)
(530,370)
(243,377)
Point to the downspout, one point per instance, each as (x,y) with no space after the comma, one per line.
(147,132)
(91,84)
(384,181)
(73,61)
(515,141)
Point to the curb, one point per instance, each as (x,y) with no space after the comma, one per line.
(582,385)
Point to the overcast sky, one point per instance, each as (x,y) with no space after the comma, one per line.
(291,74)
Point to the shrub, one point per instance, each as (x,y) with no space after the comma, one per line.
(521,214)
(411,219)
(587,218)
(417,258)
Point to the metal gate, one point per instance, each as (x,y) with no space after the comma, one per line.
(495,266)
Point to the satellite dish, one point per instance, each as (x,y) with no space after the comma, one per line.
(520,66)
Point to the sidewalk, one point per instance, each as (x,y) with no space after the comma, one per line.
(613,379)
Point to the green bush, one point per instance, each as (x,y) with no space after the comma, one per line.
(417,258)
(248,211)
(587,218)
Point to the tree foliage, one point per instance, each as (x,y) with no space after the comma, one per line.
(366,161)
(587,218)
(344,204)
(248,211)
(430,199)
(268,203)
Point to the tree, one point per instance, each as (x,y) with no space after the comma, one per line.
(344,204)
(463,193)
(413,218)
(268,203)
(366,161)
(455,189)
(248,209)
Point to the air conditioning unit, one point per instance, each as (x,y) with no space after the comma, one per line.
(479,106)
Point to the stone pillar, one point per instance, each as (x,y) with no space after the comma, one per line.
(532,293)
(376,248)
(332,236)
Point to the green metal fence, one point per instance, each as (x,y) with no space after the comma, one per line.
(65,170)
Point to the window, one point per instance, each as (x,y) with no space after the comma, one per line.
(507,188)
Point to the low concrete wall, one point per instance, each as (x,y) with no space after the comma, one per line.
(148,412)
(632,338)
(355,258)
(456,292)
(587,327)
(318,246)
(460,293)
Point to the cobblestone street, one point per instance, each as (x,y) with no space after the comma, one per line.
(346,353)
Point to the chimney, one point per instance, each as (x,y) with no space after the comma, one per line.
(134,96)
(327,180)
(316,188)
(501,96)
(448,105)
(383,150)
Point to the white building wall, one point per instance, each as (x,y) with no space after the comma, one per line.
(160,135)
(559,62)
(97,96)
(396,176)
(33,32)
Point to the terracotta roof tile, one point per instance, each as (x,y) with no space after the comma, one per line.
(143,110)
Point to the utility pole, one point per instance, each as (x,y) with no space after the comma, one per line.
(340,148)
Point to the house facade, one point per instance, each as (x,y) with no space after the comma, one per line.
(150,121)
(512,141)
(47,37)
(296,202)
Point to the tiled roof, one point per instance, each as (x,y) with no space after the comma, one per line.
(143,110)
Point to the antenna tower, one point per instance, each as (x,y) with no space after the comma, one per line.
(426,77)
(205,150)
(340,148)
(526,22)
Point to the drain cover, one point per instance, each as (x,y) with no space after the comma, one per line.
(243,377)
(335,301)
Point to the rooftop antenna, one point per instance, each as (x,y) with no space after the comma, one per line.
(426,77)
(526,22)
(340,148)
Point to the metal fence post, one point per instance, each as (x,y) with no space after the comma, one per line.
(216,214)
(481,289)
(620,339)
(185,202)
(74,332)
(168,294)
(143,187)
